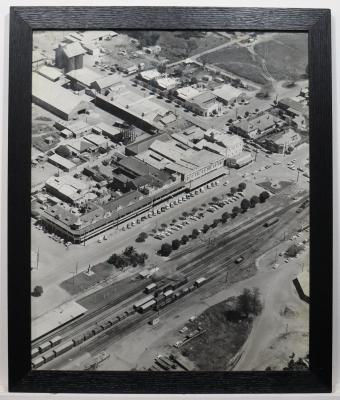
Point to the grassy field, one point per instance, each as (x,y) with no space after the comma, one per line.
(236,59)
(286,55)
(225,334)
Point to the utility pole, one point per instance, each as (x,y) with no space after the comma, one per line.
(38,255)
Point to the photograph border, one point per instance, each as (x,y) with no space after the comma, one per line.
(316,22)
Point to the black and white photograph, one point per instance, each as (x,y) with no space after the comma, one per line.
(170,200)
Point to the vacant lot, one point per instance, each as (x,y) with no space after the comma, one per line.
(225,334)
(237,59)
(286,55)
(177,45)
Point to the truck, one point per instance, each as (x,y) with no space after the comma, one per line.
(271,222)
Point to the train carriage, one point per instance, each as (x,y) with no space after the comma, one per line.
(45,346)
(55,341)
(63,348)
(78,340)
(34,352)
(48,356)
(38,362)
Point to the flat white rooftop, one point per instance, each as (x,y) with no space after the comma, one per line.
(55,318)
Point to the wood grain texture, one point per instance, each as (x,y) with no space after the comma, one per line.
(169,18)
(317,23)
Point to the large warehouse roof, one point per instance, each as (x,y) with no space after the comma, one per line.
(53,94)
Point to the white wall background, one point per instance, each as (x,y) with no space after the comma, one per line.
(334,5)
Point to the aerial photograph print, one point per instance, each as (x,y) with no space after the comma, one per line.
(170,201)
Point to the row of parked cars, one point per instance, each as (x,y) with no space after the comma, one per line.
(181,199)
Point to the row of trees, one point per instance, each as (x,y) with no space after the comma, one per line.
(167,248)
(128,257)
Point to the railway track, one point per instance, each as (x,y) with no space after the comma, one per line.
(194,271)
(220,268)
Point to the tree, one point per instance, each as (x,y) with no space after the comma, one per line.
(166,249)
(293,250)
(242,186)
(194,210)
(263,196)
(63,151)
(246,114)
(175,244)
(194,233)
(244,302)
(245,204)
(205,228)
(215,199)
(215,223)
(225,217)
(233,190)
(184,239)
(37,291)
(185,214)
(142,237)
(249,302)
(254,200)
(236,210)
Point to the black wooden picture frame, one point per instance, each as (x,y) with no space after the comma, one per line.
(23,20)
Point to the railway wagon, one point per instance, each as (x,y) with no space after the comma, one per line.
(96,330)
(150,288)
(105,324)
(271,222)
(162,364)
(38,362)
(78,340)
(146,306)
(45,346)
(88,335)
(55,341)
(168,293)
(34,352)
(200,281)
(145,300)
(63,348)
(48,356)
(179,283)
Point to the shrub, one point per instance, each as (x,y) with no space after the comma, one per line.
(175,244)
(184,239)
(242,186)
(37,291)
(142,237)
(166,249)
(263,196)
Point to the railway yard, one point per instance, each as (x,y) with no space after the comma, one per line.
(146,235)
